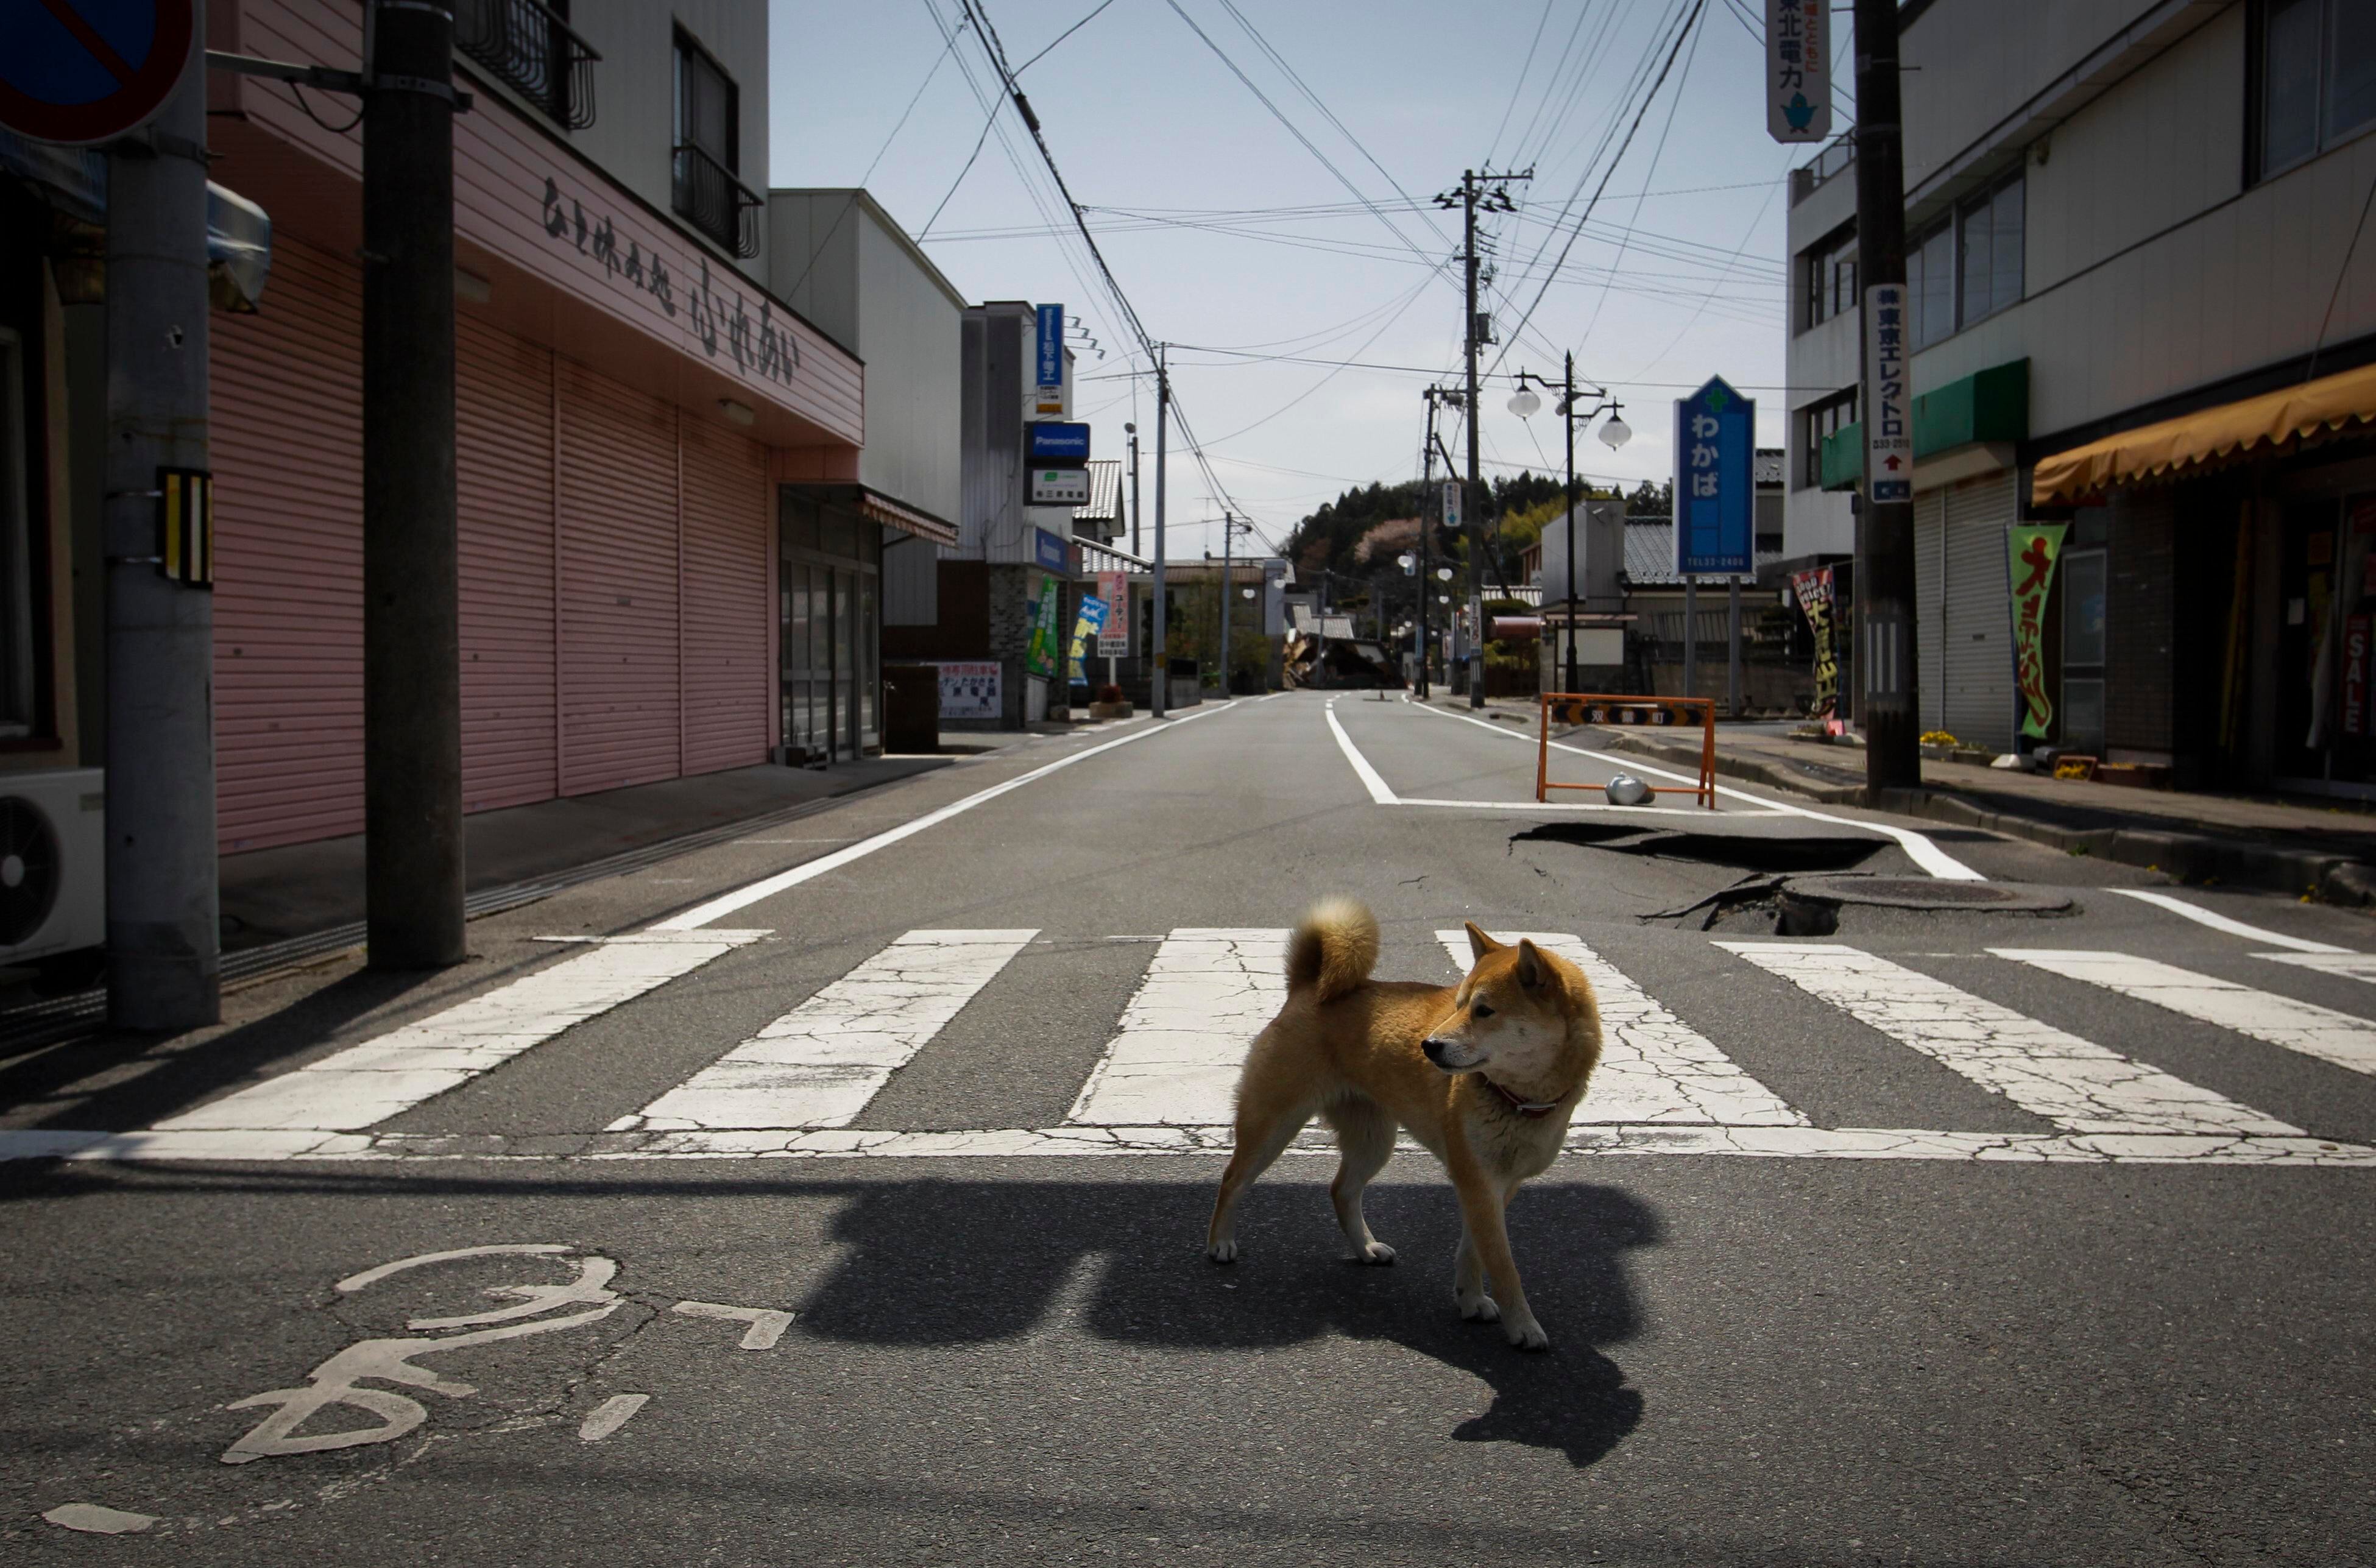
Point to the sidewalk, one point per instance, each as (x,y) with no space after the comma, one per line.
(2273,844)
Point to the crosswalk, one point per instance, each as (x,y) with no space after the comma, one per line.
(1164,1081)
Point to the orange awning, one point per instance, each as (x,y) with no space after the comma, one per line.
(2175,449)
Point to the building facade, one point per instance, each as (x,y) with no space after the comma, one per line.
(2137,295)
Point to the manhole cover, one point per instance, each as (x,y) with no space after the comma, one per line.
(1929,893)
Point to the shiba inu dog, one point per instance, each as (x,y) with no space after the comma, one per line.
(1485,1075)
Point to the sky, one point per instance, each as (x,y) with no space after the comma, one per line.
(1272,242)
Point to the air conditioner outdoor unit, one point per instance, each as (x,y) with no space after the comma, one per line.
(52,874)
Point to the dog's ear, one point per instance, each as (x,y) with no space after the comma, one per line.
(1480,943)
(1532,970)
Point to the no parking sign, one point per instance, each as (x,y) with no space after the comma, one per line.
(82,71)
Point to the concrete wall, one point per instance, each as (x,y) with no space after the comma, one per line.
(635,89)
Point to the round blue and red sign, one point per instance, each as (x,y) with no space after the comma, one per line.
(81,71)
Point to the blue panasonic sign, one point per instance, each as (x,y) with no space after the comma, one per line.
(1059,442)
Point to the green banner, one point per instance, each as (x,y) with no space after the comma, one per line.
(2033,551)
(1040,658)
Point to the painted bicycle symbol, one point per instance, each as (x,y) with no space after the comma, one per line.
(536,1309)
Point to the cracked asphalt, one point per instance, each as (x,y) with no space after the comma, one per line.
(2029,1345)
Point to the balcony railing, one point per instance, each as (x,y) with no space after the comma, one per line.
(529,48)
(708,197)
(1836,159)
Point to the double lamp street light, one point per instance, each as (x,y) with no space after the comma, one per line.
(1614,434)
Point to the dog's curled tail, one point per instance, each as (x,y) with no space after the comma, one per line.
(1333,949)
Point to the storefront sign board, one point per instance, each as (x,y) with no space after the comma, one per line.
(1889,400)
(1114,637)
(1813,591)
(2033,549)
(970,689)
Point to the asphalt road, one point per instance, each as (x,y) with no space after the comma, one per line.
(1937,1256)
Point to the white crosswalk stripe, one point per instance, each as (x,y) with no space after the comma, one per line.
(367,1084)
(2298,1026)
(818,1064)
(2073,1083)
(1653,1068)
(1208,992)
(2350,965)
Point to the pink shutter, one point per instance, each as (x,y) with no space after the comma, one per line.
(286,413)
(503,463)
(728,599)
(619,583)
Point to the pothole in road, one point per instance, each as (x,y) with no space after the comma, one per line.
(1796,852)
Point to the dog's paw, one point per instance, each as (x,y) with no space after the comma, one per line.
(1375,1252)
(1223,1251)
(1527,1335)
(1484,1309)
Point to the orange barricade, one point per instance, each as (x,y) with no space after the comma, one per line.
(1584,708)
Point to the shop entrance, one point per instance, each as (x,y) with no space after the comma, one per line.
(2326,608)
(831,572)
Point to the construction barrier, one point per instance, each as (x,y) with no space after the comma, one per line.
(1584,708)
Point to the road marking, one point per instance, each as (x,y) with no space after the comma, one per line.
(1918,848)
(1655,1068)
(2077,1084)
(1206,996)
(2351,965)
(91,1519)
(1538,807)
(2202,916)
(768,887)
(768,1324)
(368,1082)
(2304,1026)
(1368,775)
(818,1064)
(609,1416)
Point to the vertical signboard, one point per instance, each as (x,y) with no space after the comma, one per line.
(2032,551)
(1451,506)
(1039,658)
(1888,420)
(1798,70)
(1114,637)
(1051,361)
(1716,438)
(1086,623)
(1813,591)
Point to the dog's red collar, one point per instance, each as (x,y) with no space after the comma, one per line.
(1527,1108)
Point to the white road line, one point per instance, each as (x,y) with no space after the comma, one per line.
(1653,1068)
(818,1064)
(1918,848)
(766,1324)
(2202,916)
(1208,992)
(609,1416)
(2351,965)
(1368,775)
(2077,1084)
(368,1082)
(2298,1026)
(1539,807)
(768,887)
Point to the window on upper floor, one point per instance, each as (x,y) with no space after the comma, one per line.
(1815,422)
(1830,277)
(707,189)
(1968,267)
(2313,80)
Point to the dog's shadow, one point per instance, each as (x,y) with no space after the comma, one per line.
(964,1263)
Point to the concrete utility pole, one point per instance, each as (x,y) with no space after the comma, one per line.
(1229,592)
(1567,423)
(1158,689)
(1884,586)
(1430,515)
(1491,191)
(164,931)
(412,674)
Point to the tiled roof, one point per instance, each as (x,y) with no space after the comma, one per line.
(1105,492)
(1650,554)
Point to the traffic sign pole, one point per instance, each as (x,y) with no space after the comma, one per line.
(163,920)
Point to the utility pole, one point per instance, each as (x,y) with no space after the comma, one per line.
(412,696)
(1429,513)
(1568,419)
(1159,688)
(1137,511)
(1884,587)
(1491,191)
(164,930)
(1229,592)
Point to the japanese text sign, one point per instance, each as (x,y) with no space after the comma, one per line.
(1889,402)
(2033,551)
(1113,590)
(1798,70)
(1813,591)
(1716,435)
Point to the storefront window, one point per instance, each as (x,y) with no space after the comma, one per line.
(832,631)
(2082,651)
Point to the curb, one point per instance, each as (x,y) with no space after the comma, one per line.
(2187,857)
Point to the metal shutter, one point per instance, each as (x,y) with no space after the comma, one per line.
(503,450)
(1979,706)
(619,626)
(1929,594)
(286,413)
(728,599)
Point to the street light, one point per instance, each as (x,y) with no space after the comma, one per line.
(1443,574)
(1525,405)
(1614,434)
